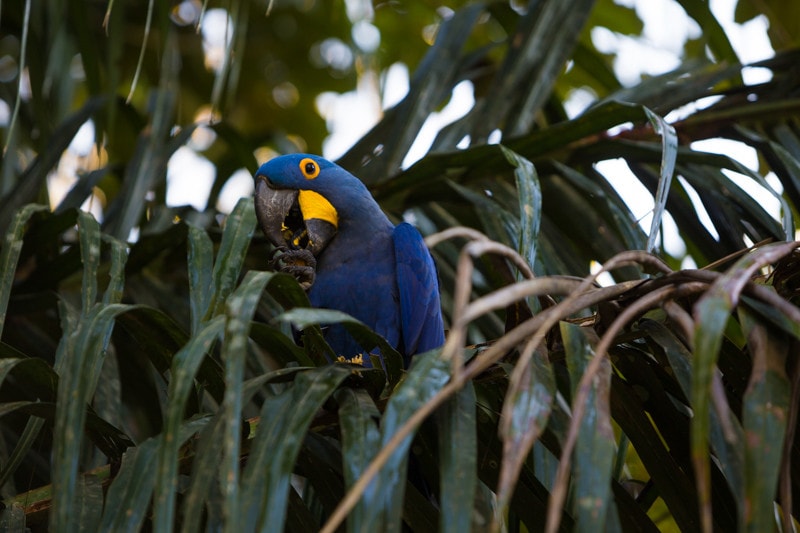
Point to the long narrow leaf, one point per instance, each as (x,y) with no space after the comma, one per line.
(302,318)
(82,352)
(458,454)
(595,447)
(184,367)
(284,421)
(9,255)
(427,375)
(128,496)
(89,232)
(711,314)
(726,434)
(236,238)
(530,204)
(75,388)
(201,280)
(89,506)
(765,410)
(239,310)
(358,418)
(526,411)
(669,148)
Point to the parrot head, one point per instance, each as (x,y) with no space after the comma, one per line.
(292,203)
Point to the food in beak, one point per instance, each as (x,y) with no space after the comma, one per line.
(282,221)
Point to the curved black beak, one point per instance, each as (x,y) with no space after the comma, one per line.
(272,208)
(320,233)
(282,221)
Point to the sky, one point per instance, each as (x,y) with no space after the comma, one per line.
(666,28)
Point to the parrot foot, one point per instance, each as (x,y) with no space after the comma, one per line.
(300,264)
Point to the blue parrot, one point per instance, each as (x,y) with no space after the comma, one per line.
(349,253)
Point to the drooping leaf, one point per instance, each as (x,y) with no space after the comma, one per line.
(764,417)
(527,409)
(669,146)
(594,450)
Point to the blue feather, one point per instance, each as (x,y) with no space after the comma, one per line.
(420,309)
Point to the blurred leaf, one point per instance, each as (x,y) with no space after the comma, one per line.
(31,180)
(201,281)
(617,18)
(81,190)
(22,447)
(783,20)
(717,40)
(9,255)
(12,518)
(430,84)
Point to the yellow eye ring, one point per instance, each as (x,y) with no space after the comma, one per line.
(309,168)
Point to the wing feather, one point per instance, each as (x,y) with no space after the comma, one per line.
(420,308)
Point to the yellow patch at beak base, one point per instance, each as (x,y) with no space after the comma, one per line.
(314,205)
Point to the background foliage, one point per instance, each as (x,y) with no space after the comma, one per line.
(147,369)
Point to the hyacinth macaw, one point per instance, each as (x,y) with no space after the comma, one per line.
(354,259)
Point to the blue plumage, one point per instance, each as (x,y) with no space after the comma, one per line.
(380,274)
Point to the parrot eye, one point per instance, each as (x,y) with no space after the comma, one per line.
(309,168)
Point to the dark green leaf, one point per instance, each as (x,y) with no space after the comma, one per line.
(236,238)
(9,255)
(766,407)
(358,417)
(595,447)
(284,420)
(427,375)
(184,367)
(458,450)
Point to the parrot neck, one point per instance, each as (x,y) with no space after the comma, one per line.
(368,233)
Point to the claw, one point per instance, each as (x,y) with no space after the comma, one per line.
(300,264)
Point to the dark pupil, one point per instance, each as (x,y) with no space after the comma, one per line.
(310,168)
